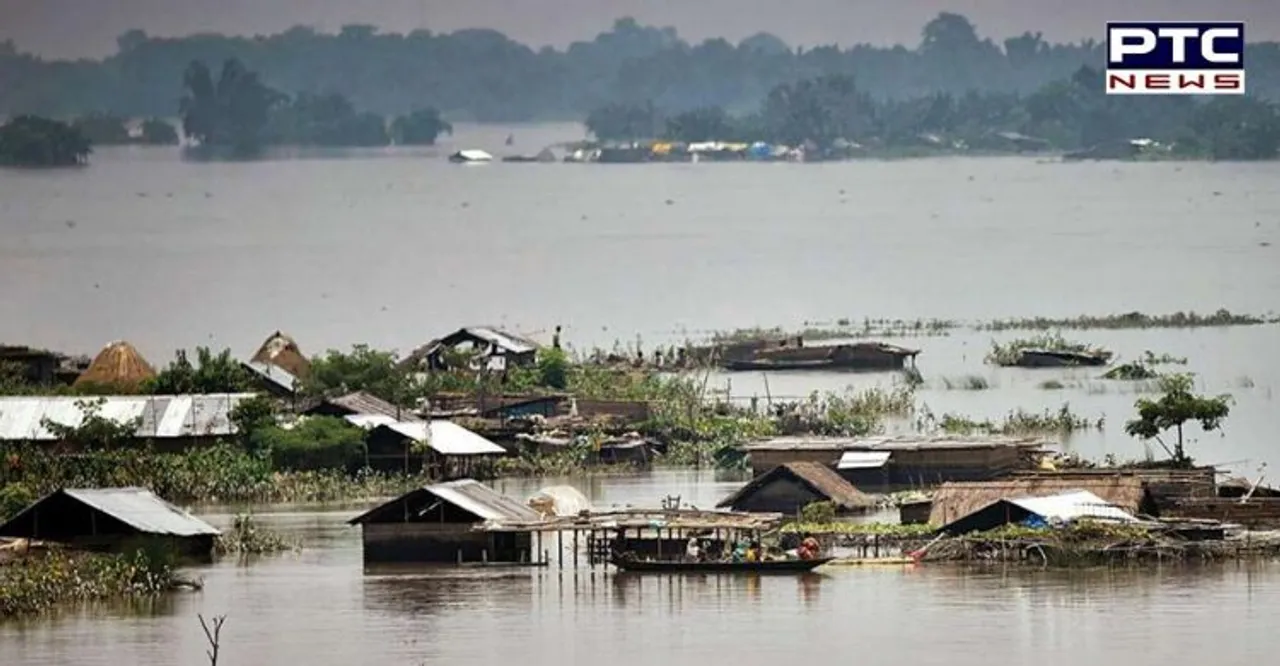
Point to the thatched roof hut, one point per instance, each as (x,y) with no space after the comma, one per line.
(282,351)
(790,487)
(118,365)
(955,499)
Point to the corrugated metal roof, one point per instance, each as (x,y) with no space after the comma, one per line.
(369,421)
(137,507)
(482,500)
(361,402)
(863,459)
(469,495)
(1073,506)
(163,416)
(274,374)
(507,341)
(444,437)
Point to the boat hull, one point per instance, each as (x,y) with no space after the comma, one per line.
(767,567)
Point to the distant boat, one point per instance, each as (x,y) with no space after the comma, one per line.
(470,156)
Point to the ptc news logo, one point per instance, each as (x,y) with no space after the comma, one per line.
(1146,58)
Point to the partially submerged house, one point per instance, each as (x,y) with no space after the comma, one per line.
(790,487)
(110,519)
(890,464)
(439,449)
(1060,358)
(1039,511)
(441,523)
(119,366)
(483,344)
(952,501)
(170,422)
(794,355)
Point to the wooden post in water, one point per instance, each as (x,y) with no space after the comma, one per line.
(575,549)
(560,547)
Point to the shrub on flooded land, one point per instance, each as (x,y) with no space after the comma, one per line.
(1009,353)
(247,537)
(221,473)
(1135,371)
(1016,423)
(1129,320)
(37,584)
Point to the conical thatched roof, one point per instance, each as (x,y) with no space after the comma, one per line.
(282,351)
(119,365)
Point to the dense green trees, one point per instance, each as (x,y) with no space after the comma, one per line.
(483,75)
(1068,114)
(31,141)
(230,113)
(420,128)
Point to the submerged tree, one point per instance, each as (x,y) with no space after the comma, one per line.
(103,129)
(230,113)
(157,132)
(420,128)
(40,142)
(1174,409)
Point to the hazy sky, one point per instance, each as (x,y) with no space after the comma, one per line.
(89,27)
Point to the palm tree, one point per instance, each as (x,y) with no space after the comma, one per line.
(230,113)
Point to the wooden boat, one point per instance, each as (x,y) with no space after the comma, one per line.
(677,566)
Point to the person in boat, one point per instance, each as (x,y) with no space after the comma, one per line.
(753,552)
(693,550)
(739,553)
(809,548)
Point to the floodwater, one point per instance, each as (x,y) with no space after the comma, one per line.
(320,607)
(392,248)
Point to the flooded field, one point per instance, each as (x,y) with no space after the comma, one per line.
(394,248)
(320,607)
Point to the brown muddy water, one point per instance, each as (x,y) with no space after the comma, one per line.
(320,607)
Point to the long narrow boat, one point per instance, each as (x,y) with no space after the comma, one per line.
(676,566)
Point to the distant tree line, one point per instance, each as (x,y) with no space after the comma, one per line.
(483,75)
(240,113)
(1068,114)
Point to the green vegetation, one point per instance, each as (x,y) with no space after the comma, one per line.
(843,329)
(833,117)
(37,584)
(1010,353)
(1132,371)
(818,513)
(954,90)
(247,537)
(1017,423)
(419,128)
(831,527)
(220,373)
(231,113)
(1149,358)
(104,129)
(1131,320)
(30,141)
(1173,410)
